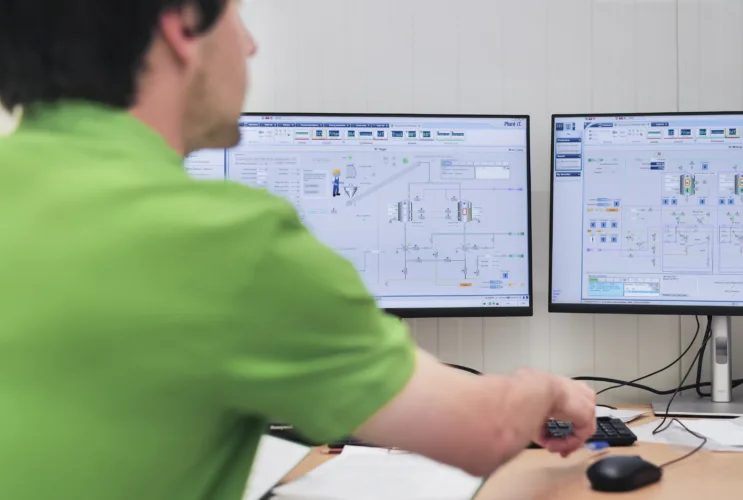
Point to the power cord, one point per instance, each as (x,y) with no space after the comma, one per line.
(660,428)
(677,460)
(707,338)
(673,363)
(607,406)
(658,392)
(697,360)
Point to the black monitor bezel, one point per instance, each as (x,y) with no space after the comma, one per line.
(640,309)
(458,312)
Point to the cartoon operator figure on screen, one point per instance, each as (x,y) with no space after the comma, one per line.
(336,183)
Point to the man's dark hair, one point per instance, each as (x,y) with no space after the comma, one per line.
(82,49)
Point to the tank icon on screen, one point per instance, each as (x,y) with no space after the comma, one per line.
(688,185)
(464,211)
(405,211)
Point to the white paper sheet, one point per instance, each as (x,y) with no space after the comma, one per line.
(625,416)
(368,474)
(676,435)
(725,432)
(274,460)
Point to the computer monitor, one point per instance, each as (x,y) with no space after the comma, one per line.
(433,211)
(647,218)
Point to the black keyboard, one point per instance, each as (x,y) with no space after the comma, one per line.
(608,430)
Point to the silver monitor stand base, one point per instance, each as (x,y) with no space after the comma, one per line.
(692,406)
(721,403)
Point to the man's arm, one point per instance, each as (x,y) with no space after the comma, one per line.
(479,423)
(308,346)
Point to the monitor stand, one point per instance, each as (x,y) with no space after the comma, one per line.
(721,404)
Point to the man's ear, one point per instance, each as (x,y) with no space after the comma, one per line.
(178,30)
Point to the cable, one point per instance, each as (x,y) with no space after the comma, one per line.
(660,427)
(677,460)
(607,406)
(633,383)
(464,368)
(736,383)
(707,338)
(696,361)
(674,362)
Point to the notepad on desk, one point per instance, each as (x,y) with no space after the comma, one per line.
(372,474)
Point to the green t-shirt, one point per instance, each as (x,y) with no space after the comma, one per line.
(151,324)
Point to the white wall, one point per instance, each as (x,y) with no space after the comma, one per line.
(513,56)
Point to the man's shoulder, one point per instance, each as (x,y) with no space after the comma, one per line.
(224,199)
(211,236)
(218,213)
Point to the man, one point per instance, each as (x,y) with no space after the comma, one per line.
(151,324)
(336,183)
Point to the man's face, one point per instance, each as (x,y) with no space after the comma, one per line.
(217,91)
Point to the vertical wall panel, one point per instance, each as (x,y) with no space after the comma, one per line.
(538,326)
(617,351)
(284,47)
(435,56)
(659,346)
(480,58)
(341,48)
(461,342)
(539,334)
(524,38)
(261,17)
(656,56)
(613,56)
(316,56)
(710,55)
(572,344)
(689,55)
(720,71)
(506,344)
(387,29)
(449,341)
(569,56)
(426,333)
(471,342)
(540,221)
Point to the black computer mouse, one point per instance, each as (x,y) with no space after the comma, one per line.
(623,473)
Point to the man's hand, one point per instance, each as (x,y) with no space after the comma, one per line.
(576,403)
(480,423)
(540,396)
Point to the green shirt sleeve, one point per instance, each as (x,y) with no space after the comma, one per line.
(320,354)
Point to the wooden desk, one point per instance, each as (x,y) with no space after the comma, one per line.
(537,475)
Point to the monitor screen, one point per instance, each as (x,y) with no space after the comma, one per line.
(432,211)
(647,214)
